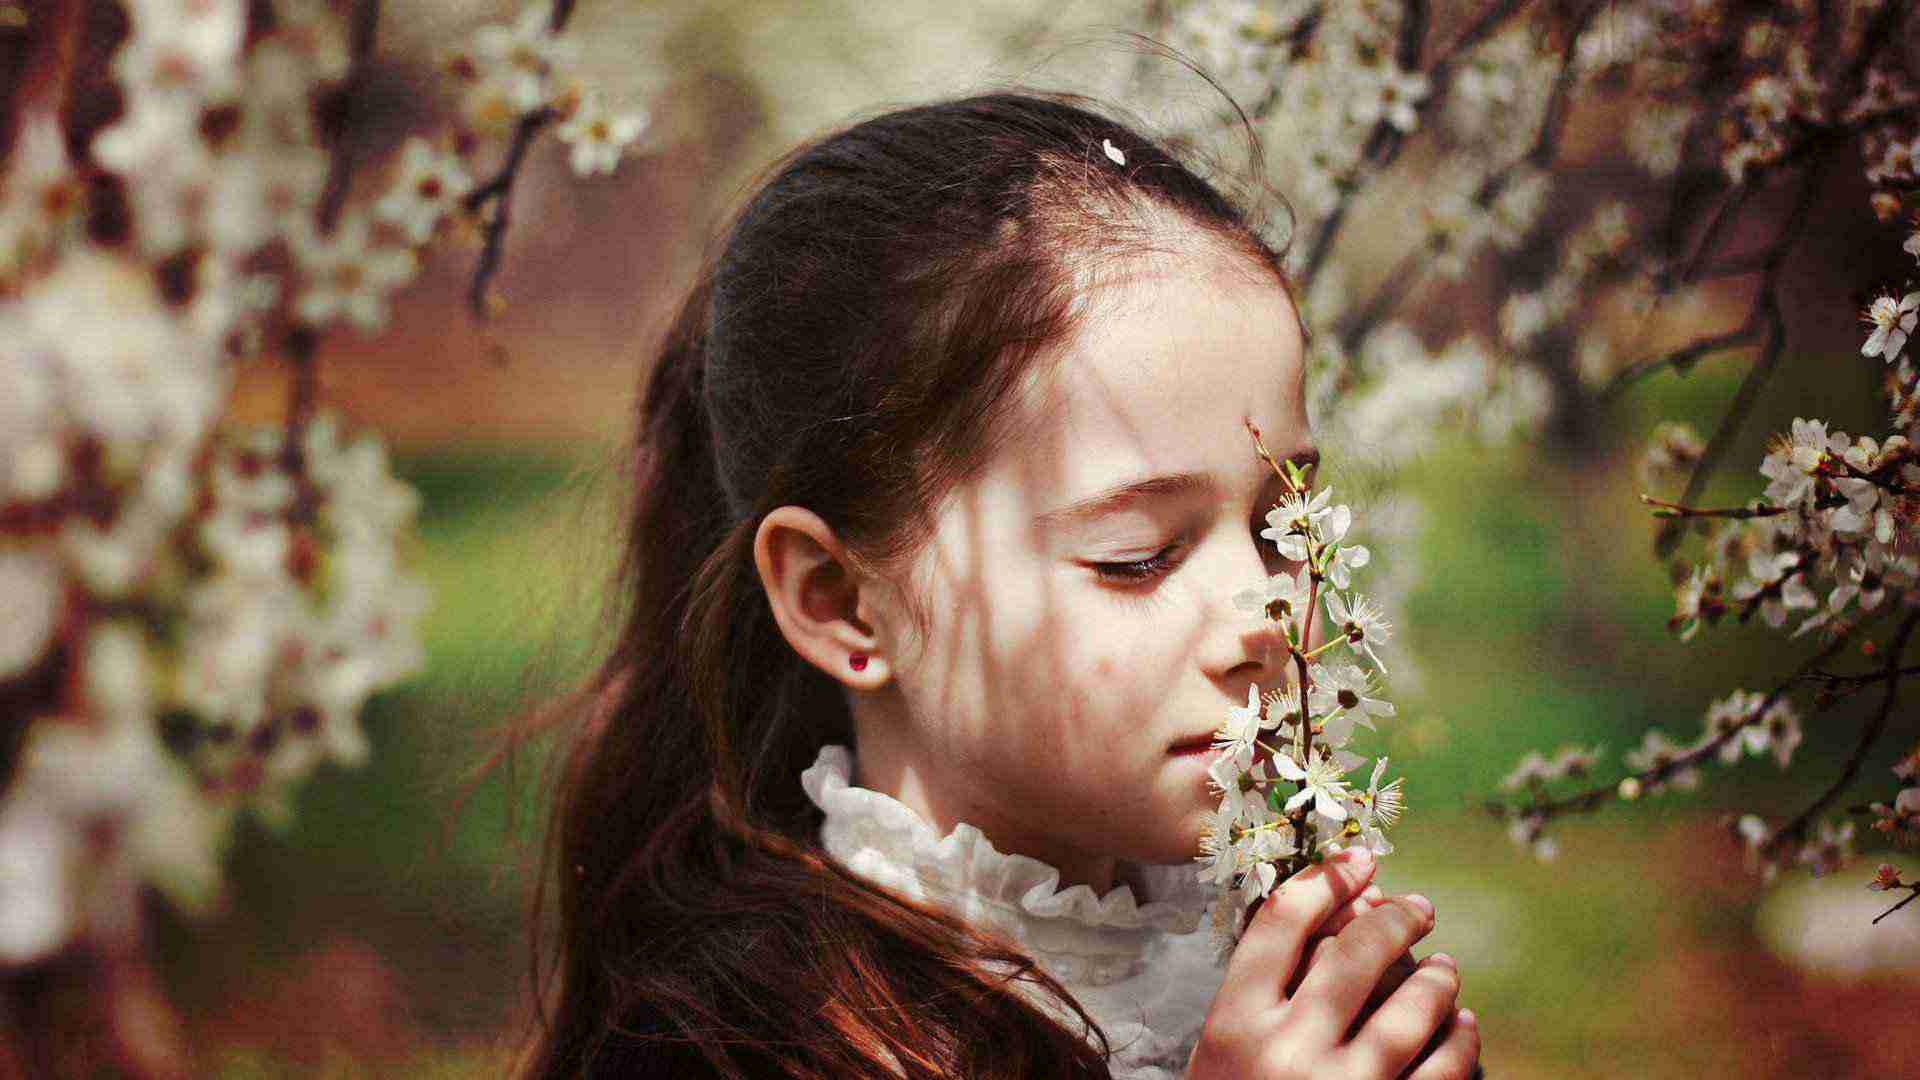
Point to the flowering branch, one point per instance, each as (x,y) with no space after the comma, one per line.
(1665,509)
(1889,880)
(197,616)
(1395,287)
(1541,809)
(492,199)
(1870,733)
(1766,312)
(1258,837)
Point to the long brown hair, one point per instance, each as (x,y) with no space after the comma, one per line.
(850,348)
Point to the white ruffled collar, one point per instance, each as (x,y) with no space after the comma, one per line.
(1080,938)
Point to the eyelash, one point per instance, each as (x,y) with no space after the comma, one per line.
(1159,564)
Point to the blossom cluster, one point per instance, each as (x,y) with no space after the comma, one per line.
(1336,89)
(1330,106)
(1831,544)
(1749,94)
(197,614)
(1297,730)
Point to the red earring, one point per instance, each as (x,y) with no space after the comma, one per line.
(858,661)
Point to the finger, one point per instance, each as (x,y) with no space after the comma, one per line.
(1335,923)
(1457,1056)
(1352,963)
(1416,1014)
(1306,964)
(1270,949)
(1365,902)
(1395,977)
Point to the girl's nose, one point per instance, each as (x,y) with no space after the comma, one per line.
(1237,643)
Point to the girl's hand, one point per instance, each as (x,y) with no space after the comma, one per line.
(1258,1030)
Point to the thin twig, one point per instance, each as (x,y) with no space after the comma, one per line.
(1741,513)
(1683,358)
(1554,123)
(1767,311)
(1592,798)
(1870,733)
(1912,895)
(1862,679)
(1478,31)
(498,188)
(1729,208)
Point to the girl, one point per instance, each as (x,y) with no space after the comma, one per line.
(943,485)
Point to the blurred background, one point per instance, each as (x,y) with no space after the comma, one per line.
(384,932)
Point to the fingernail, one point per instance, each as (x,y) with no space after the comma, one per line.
(1443,958)
(1425,905)
(1373,895)
(1355,856)
(1467,1017)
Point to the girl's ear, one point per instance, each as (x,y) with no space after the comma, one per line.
(814,590)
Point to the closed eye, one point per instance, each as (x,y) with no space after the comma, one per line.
(1162,562)
(1156,565)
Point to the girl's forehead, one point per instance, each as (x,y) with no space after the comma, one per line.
(1163,374)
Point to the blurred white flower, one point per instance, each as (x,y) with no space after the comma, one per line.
(427,185)
(521,57)
(599,136)
(30,579)
(181,55)
(1656,751)
(348,275)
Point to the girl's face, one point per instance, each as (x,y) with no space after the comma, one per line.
(1079,590)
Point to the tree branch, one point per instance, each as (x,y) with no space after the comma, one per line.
(1766,310)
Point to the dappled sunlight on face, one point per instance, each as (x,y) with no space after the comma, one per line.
(1073,639)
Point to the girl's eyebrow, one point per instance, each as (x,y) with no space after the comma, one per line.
(1125,493)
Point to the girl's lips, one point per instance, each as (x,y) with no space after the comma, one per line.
(1192,746)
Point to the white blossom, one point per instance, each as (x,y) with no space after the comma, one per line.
(1322,780)
(1362,621)
(1284,594)
(1892,321)
(599,136)
(520,58)
(1656,751)
(427,186)
(348,275)
(30,580)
